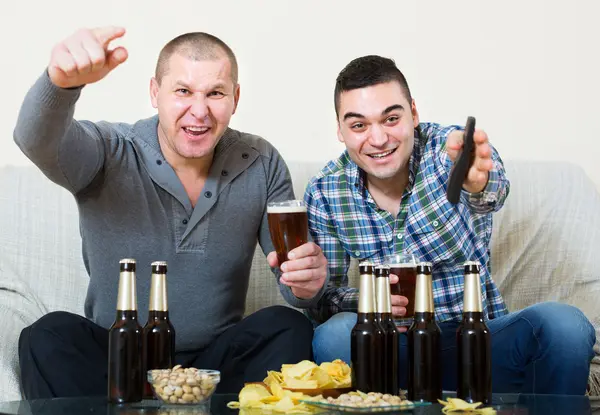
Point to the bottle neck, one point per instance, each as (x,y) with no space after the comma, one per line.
(158,315)
(472,316)
(424,317)
(472,294)
(384,317)
(384,301)
(158,293)
(127,299)
(366,294)
(424,294)
(366,317)
(127,315)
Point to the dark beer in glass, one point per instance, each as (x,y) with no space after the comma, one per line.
(404,267)
(288,226)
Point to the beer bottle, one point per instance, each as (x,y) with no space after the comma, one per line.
(390,332)
(424,345)
(366,338)
(158,333)
(473,344)
(125,382)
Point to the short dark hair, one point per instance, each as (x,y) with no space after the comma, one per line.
(368,71)
(196,46)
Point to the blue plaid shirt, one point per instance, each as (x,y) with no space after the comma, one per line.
(346,223)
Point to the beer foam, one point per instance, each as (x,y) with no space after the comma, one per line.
(405,265)
(286,209)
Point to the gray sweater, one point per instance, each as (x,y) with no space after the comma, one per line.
(132,205)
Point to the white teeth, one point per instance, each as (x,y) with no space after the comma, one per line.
(197,129)
(380,155)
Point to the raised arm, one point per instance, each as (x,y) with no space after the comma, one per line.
(67,151)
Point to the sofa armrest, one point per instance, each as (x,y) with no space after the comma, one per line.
(18,309)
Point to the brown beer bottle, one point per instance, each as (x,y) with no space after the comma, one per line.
(383,310)
(473,344)
(366,338)
(424,346)
(158,333)
(125,382)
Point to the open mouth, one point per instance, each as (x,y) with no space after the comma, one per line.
(196,131)
(382,155)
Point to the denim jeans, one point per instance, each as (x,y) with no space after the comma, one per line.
(545,349)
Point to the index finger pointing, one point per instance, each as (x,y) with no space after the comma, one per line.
(106,34)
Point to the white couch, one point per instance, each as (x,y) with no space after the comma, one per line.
(543,248)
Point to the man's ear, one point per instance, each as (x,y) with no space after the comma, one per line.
(236,97)
(339,134)
(415,113)
(154,92)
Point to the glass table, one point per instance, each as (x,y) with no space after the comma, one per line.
(505,404)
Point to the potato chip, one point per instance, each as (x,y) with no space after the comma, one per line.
(298,370)
(284,405)
(274,376)
(282,391)
(253,393)
(324,381)
(458,405)
(256,398)
(340,373)
(277,390)
(294,383)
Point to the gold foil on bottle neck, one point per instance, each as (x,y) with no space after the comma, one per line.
(366,294)
(472,294)
(127,298)
(158,293)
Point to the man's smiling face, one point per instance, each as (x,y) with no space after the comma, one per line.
(377,123)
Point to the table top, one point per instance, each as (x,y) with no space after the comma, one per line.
(505,404)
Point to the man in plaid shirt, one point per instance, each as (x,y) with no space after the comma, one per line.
(387,193)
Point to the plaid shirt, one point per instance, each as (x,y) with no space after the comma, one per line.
(346,223)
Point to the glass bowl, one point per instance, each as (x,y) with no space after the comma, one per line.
(179,386)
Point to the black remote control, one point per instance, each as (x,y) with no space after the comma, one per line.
(463,163)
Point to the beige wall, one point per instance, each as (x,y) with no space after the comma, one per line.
(528,70)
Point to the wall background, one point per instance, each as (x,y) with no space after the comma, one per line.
(527,70)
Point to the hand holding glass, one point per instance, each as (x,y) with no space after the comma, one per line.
(288,226)
(404,266)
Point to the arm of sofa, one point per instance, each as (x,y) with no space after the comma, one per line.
(19,308)
(12,321)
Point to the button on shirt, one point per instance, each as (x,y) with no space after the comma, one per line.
(345,222)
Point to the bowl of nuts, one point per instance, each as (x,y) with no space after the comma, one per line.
(179,386)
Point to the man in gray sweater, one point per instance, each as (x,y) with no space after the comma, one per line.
(180,186)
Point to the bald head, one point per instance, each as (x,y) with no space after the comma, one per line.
(195,46)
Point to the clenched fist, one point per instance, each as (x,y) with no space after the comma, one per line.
(84,58)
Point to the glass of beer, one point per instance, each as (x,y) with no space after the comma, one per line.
(404,266)
(288,225)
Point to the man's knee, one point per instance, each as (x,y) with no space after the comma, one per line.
(332,338)
(561,326)
(340,324)
(282,318)
(42,336)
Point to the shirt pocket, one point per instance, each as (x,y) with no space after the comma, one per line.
(360,250)
(431,231)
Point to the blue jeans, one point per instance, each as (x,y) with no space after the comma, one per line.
(544,349)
